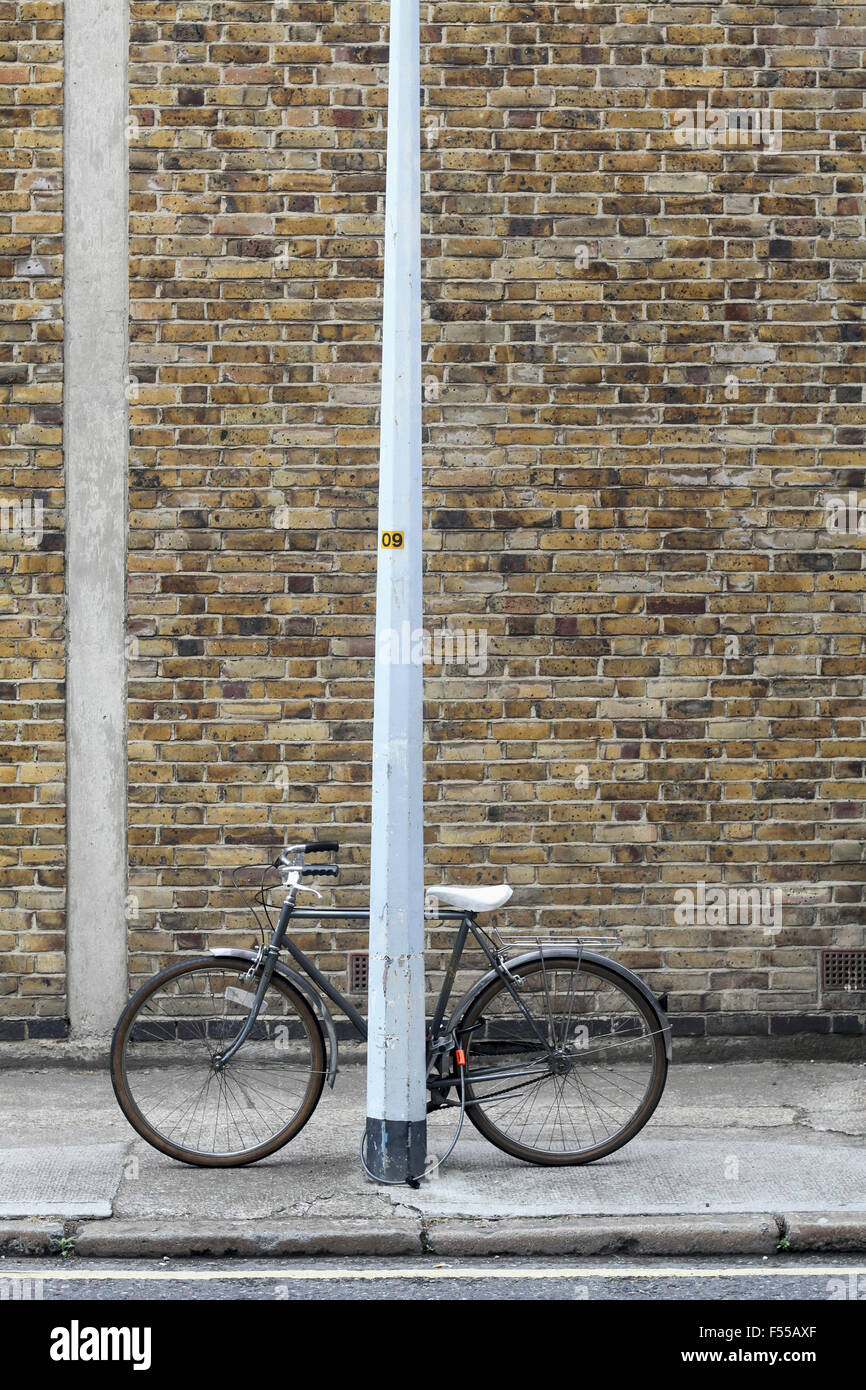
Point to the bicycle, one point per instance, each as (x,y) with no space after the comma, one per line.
(557,1054)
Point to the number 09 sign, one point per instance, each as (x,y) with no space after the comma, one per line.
(392,540)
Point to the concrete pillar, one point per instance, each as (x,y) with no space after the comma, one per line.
(96,441)
(396,1090)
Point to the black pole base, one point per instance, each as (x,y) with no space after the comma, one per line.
(396,1149)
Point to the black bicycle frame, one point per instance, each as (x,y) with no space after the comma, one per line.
(334,914)
(360,914)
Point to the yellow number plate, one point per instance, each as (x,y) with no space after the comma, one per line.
(392,540)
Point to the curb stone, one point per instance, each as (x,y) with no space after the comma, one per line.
(639,1235)
(842,1232)
(832,1233)
(141,1240)
(30,1236)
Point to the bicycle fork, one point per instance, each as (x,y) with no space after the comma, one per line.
(268,957)
(269,960)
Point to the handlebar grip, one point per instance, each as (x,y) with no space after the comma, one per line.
(328,871)
(321,847)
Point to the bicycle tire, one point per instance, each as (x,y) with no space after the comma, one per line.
(184,1031)
(482,1105)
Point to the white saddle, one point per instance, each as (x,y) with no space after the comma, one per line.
(469,899)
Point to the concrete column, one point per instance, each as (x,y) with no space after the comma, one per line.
(396,1090)
(96,426)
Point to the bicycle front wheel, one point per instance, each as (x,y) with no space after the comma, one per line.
(169,1087)
(570,1069)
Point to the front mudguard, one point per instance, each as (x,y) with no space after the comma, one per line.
(303,987)
(572,953)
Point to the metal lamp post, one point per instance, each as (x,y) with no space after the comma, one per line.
(396,1130)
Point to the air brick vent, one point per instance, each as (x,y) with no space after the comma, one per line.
(358,967)
(841,969)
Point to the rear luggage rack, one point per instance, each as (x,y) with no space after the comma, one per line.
(549,938)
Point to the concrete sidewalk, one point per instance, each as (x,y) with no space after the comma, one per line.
(738,1158)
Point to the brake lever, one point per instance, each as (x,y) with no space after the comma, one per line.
(305,888)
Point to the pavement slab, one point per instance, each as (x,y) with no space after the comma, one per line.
(64,1180)
(666,1174)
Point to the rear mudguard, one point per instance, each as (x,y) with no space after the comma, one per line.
(573,953)
(303,987)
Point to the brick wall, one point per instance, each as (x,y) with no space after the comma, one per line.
(643,377)
(31,523)
(643,391)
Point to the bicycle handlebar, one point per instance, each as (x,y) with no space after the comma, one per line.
(309,847)
(285,864)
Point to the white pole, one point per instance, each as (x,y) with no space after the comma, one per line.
(396,1092)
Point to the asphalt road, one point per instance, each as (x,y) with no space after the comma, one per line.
(780,1279)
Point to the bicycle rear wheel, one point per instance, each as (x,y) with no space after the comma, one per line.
(169,1088)
(574,1073)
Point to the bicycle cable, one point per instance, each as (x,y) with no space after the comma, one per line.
(416,1182)
(260,897)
